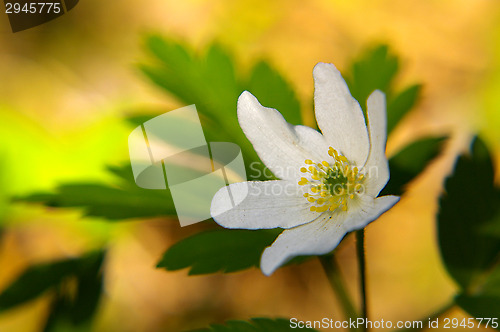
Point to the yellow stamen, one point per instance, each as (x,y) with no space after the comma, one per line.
(332,182)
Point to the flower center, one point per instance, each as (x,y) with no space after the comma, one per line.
(331,184)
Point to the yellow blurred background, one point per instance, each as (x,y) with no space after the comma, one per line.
(66,85)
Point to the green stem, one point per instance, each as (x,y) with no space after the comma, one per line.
(360,249)
(333,274)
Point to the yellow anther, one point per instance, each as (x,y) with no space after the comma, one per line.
(303,181)
(342,158)
(323,193)
(312,169)
(315,177)
(322,208)
(311,199)
(351,196)
(312,208)
(303,169)
(314,189)
(306,195)
(320,200)
(333,207)
(308,161)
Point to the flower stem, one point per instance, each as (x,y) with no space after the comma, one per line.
(360,248)
(333,274)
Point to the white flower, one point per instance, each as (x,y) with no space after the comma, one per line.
(329,182)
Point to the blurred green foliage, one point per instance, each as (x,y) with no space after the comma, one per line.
(254,325)
(125,200)
(377,69)
(409,162)
(212,81)
(472,256)
(218,251)
(404,166)
(75,282)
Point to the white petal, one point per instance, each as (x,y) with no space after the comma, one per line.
(377,167)
(315,238)
(324,234)
(339,115)
(367,210)
(268,204)
(311,139)
(282,147)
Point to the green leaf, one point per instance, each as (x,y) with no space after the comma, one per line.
(211,82)
(75,312)
(124,201)
(255,325)
(99,200)
(35,281)
(375,69)
(207,80)
(222,250)
(470,202)
(409,163)
(38,279)
(480,306)
(485,300)
(273,91)
(398,106)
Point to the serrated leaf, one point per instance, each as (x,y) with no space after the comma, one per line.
(470,202)
(255,325)
(100,200)
(210,81)
(222,250)
(409,163)
(207,80)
